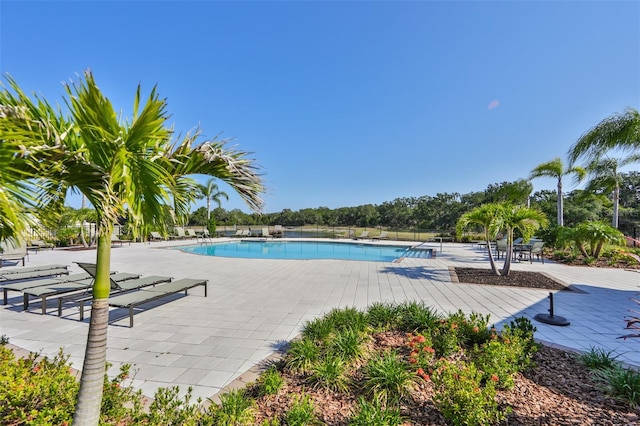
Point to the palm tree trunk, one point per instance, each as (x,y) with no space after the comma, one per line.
(508,255)
(91,381)
(507,261)
(616,205)
(208,210)
(492,261)
(560,204)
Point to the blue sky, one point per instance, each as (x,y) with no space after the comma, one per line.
(349,103)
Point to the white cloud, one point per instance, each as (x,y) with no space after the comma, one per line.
(493,104)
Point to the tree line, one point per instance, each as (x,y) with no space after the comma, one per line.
(442,211)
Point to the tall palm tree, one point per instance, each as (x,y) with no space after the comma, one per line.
(617,132)
(605,176)
(128,168)
(211,192)
(555,169)
(489,217)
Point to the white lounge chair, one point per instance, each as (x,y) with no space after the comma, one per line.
(155,236)
(363,235)
(384,235)
(278,231)
(12,249)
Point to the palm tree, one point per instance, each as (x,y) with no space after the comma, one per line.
(522,219)
(211,192)
(18,190)
(488,216)
(125,169)
(495,217)
(617,132)
(555,169)
(604,175)
(590,237)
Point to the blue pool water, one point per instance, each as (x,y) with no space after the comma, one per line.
(300,250)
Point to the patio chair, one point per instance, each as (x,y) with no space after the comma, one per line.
(384,235)
(155,236)
(238,233)
(120,288)
(10,249)
(536,248)
(116,240)
(60,289)
(23,285)
(265,232)
(180,235)
(133,299)
(190,233)
(22,276)
(27,269)
(501,247)
(37,245)
(363,235)
(346,234)
(278,231)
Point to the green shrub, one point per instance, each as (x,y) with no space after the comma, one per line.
(235,409)
(519,335)
(417,317)
(387,378)
(382,316)
(36,391)
(119,400)
(374,414)
(330,374)
(301,412)
(168,409)
(41,391)
(497,361)
(461,397)
(445,338)
(421,352)
(318,330)
(348,344)
(270,381)
(347,319)
(472,329)
(621,383)
(598,358)
(302,354)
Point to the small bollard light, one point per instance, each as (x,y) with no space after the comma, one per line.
(550,318)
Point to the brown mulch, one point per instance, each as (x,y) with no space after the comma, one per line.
(514,279)
(557,390)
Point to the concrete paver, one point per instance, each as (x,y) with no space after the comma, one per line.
(254,306)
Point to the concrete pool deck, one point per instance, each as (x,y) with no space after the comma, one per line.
(255,306)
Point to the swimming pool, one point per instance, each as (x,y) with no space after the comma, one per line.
(300,250)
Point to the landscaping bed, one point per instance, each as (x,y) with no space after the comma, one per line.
(558,390)
(514,279)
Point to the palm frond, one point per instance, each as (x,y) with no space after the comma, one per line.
(620,130)
(214,159)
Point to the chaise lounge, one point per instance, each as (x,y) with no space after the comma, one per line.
(117,288)
(60,289)
(12,275)
(133,299)
(12,250)
(21,286)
